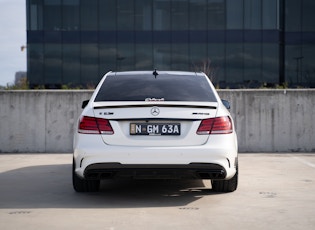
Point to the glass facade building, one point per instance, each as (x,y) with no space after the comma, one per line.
(238,43)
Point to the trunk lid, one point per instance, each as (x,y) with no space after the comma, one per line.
(155,123)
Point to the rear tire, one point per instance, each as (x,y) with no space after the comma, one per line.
(225,186)
(82,185)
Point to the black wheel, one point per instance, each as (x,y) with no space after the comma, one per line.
(82,185)
(226,185)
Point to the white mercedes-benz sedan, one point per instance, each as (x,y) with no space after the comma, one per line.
(155,125)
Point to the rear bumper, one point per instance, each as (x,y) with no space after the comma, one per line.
(215,160)
(191,171)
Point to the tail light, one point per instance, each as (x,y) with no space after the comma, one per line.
(217,125)
(92,125)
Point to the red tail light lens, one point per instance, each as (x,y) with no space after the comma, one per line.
(92,125)
(205,126)
(217,125)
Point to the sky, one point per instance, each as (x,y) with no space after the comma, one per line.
(12,37)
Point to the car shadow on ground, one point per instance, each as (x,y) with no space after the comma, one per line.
(50,186)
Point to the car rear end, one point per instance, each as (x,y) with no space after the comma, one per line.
(163,125)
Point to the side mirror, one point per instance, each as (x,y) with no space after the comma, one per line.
(84,104)
(226,104)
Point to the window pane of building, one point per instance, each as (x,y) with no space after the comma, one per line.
(216,61)
(89,19)
(161,15)
(252,14)
(216,14)
(53,65)
(36,15)
(35,66)
(52,15)
(234,63)
(89,64)
(292,56)
(293,11)
(270,63)
(108,58)
(107,15)
(300,67)
(144,57)
(307,65)
(179,16)
(70,15)
(234,14)
(252,64)
(125,15)
(198,59)
(180,57)
(143,15)
(308,15)
(125,57)
(71,64)
(162,56)
(198,14)
(270,14)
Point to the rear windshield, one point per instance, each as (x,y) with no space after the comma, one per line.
(165,87)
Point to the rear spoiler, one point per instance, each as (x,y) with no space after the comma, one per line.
(159,105)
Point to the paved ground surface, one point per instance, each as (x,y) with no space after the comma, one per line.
(276,191)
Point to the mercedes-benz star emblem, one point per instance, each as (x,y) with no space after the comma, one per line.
(155,111)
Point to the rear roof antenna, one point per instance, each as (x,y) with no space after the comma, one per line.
(155,73)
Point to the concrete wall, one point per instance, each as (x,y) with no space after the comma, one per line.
(266,120)
(39,121)
(273,120)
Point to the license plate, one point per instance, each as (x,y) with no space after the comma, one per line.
(154,129)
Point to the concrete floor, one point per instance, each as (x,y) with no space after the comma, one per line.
(276,191)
